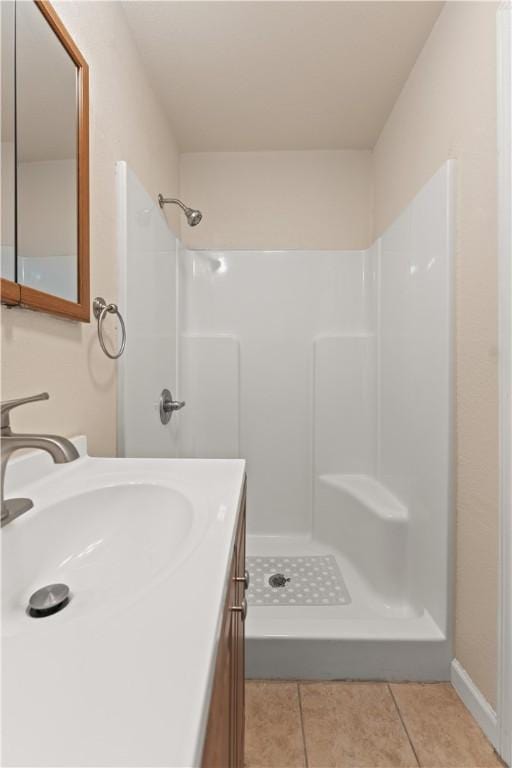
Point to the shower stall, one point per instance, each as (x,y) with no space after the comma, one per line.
(330,372)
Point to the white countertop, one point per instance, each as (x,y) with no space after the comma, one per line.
(129,685)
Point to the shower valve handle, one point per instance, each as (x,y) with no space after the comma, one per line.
(168,406)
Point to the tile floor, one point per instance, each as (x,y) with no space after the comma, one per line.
(361,725)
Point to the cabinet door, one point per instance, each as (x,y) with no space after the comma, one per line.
(218,748)
(224,743)
(239,648)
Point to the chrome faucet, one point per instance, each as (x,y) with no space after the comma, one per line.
(60,449)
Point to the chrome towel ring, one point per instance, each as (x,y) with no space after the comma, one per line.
(100,310)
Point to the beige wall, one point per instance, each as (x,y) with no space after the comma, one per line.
(272,200)
(448,109)
(40,352)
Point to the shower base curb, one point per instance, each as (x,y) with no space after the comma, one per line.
(292,658)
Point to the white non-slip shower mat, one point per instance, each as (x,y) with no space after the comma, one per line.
(307,580)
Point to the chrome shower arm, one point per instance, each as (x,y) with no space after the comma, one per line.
(193,216)
(171,200)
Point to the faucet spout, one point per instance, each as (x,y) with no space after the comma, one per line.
(60,449)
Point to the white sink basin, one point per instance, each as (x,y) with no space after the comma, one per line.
(125,668)
(108,545)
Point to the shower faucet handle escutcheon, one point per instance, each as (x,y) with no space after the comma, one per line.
(168,406)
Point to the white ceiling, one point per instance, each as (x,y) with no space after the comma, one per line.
(253,75)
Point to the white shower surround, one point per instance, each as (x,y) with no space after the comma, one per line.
(147,268)
(330,372)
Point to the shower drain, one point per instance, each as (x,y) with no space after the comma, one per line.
(295,580)
(278,580)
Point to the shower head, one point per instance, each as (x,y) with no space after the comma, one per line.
(193,216)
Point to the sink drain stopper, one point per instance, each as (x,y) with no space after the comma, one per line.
(48,600)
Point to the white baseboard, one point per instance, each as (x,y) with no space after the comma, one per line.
(479,707)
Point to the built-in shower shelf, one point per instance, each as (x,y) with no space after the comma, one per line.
(371,493)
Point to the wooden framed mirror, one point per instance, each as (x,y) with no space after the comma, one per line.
(45,153)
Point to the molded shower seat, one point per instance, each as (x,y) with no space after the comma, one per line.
(366,523)
(371,493)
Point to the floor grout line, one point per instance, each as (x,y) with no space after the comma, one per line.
(404,725)
(306,759)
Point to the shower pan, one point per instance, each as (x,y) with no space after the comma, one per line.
(331,373)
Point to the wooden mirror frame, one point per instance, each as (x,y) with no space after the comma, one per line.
(16,294)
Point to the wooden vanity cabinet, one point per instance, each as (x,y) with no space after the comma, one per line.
(224,742)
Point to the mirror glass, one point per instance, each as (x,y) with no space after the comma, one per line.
(46,148)
(8,158)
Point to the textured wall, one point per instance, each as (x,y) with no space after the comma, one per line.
(447,109)
(274,200)
(40,352)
